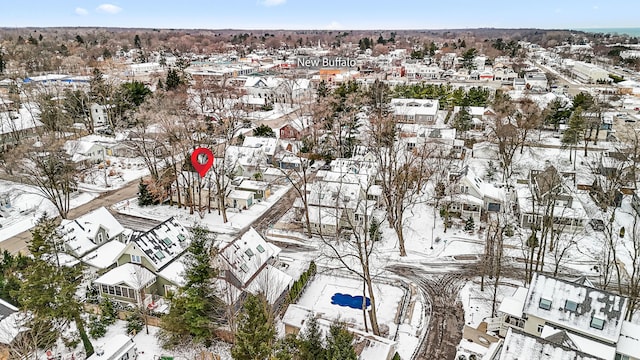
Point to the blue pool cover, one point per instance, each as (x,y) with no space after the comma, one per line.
(354,302)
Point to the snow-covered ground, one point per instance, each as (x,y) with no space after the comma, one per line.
(318,295)
(213,221)
(117,174)
(27,205)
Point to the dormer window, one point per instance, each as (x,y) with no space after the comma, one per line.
(159,255)
(181,237)
(244,268)
(100,238)
(545,304)
(597,323)
(571,306)
(249,253)
(260,249)
(167,241)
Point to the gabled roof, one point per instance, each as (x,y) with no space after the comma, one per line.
(163,243)
(79,234)
(246,256)
(547,180)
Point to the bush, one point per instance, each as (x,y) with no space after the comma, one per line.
(135,323)
(108,311)
(298,285)
(97,328)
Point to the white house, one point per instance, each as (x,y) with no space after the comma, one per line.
(412,111)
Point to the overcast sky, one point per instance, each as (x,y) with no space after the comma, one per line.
(323,14)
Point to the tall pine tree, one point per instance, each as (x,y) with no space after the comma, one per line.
(48,290)
(196,311)
(339,343)
(256,334)
(310,342)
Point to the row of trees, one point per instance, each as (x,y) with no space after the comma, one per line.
(256,337)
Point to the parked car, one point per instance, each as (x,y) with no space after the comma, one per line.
(597,224)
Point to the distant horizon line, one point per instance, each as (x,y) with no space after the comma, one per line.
(317,29)
(313,29)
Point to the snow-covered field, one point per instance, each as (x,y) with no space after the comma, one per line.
(27,205)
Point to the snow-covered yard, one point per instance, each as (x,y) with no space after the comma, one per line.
(117,174)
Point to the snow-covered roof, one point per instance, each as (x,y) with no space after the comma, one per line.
(513,305)
(267,144)
(629,341)
(82,147)
(246,256)
(164,243)
(596,313)
(240,195)
(478,111)
(79,235)
(132,275)
(262,82)
(174,272)
(270,281)
(346,178)
(253,185)
(483,188)
(412,107)
(333,194)
(517,343)
(104,256)
(322,215)
(117,346)
(12,325)
(11,121)
(375,347)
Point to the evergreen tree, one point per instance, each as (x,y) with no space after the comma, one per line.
(195,310)
(310,342)
(48,289)
(144,196)
(173,80)
(339,343)
(463,121)
(287,349)
(133,94)
(576,126)
(3,63)
(469,224)
(264,131)
(256,333)
(79,39)
(136,42)
(323,90)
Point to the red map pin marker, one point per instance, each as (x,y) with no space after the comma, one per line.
(201,168)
